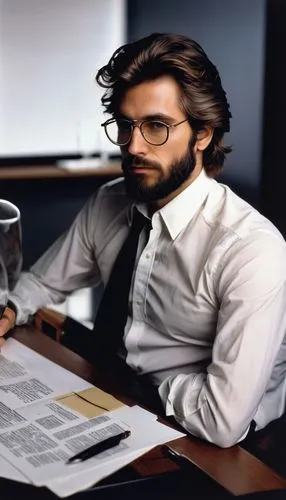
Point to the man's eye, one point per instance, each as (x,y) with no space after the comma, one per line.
(156,125)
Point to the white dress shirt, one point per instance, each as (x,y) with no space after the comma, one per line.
(207,312)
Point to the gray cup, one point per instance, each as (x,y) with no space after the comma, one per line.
(10,249)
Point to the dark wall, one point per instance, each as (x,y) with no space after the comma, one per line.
(233,35)
(48,207)
(274,163)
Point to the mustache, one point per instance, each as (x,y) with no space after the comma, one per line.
(134,161)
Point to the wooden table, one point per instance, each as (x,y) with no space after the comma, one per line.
(233,468)
(111,168)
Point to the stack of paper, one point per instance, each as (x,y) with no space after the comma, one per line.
(48,414)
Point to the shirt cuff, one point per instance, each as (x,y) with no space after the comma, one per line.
(167,391)
(12,306)
(21,317)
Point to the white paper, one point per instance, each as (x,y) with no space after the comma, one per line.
(86,479)
(27,377)
(19,366)
(41,451)
(9,472)
(38,434)
(134,416)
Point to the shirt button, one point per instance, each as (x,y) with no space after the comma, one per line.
(138,302)
(147,256)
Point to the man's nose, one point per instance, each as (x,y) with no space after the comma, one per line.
(137,144)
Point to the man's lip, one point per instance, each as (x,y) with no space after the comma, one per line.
(139,170)
(139,167)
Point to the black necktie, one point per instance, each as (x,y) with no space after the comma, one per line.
(113,309)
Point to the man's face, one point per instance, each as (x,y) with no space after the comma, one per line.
(157,172)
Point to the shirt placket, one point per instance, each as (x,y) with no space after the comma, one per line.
(144,265)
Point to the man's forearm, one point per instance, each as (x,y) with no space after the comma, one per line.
(193,403)
(30,294)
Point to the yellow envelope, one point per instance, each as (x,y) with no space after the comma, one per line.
(91,402)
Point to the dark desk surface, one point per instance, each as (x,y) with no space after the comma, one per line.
(108,169)
(233,468)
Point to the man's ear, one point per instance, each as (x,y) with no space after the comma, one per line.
(204,137)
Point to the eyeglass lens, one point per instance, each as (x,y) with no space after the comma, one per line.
(120,132)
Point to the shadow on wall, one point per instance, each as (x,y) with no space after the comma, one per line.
(244,190)
(232,34)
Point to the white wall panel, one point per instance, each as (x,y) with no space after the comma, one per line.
(50,51)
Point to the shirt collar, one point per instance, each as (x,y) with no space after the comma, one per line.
(179,211)
(141,207)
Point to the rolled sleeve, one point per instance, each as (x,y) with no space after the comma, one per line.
(68,265)
(218,405)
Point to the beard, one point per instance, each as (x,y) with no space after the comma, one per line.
(168,182)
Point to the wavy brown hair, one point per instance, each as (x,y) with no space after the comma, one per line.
(203,99)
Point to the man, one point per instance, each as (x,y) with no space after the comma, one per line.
(206,316)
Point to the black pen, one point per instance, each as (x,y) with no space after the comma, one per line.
(97,448)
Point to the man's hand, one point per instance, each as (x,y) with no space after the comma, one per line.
(6,323)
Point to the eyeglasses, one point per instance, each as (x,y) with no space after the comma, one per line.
(119,131)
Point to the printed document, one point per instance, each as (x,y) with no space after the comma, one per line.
(41,427)
(27,377)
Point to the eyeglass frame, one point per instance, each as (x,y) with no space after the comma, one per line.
(139,125)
